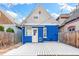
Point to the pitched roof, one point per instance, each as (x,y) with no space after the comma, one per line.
(5,18)
(73,15)
(63,16)
(39,16)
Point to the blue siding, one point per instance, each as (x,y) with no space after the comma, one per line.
(28,38)
(25,38)
(52,33)
(40,34)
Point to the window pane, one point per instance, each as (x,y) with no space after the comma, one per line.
(35,17)
(28,31)
(71,28)
(45,32)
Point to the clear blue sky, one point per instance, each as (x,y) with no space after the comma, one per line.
(20,11)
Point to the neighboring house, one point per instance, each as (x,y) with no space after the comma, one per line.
(7,21)
(72,23)
(61,19)
(39,26)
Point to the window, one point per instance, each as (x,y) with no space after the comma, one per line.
(28,31)
(35,17)
(34,33)
(71,28)
(44,32)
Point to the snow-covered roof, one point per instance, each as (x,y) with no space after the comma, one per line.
(39,16)
(10,18)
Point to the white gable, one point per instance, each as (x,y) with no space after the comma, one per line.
(39,16)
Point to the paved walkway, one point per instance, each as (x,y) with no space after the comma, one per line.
(46,48)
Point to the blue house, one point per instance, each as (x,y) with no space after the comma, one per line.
(39,26)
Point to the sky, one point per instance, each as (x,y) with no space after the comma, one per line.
(20,11)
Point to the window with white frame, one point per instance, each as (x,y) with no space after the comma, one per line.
(44,32)
(28,31)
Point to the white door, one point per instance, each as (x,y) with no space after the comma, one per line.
(34,34)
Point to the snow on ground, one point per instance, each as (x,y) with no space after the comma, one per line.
(46,48)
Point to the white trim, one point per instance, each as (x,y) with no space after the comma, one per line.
(44,32)
(35,37)
(26,30)
(40,24)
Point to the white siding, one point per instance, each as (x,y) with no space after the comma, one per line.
(13,26)
(43,17)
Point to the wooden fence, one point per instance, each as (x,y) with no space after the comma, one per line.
(70,38)
(7,39)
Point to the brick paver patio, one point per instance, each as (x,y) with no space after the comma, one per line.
(46,48)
